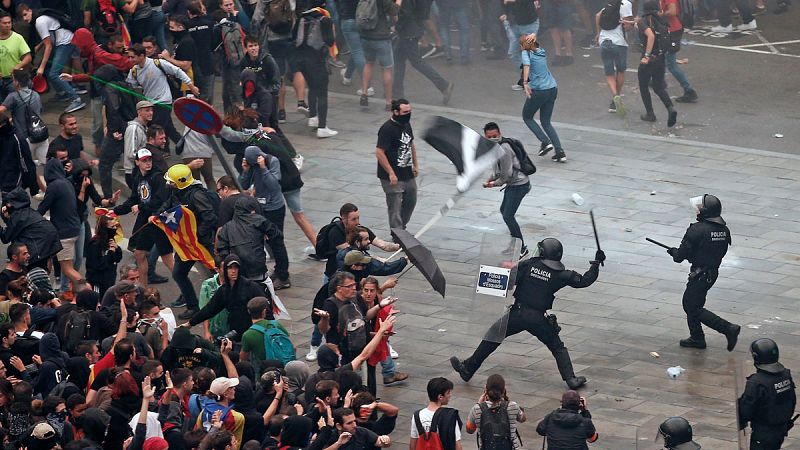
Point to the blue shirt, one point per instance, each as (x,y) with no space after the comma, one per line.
(539,75)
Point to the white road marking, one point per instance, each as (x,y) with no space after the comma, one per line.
(747,50)
(773,43)
(769,45)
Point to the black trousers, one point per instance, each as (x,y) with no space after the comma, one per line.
(162,115)
(767,437)
(311,64)
(652,75)
(407,49)
(111,151)
(276,243)
(535,323)
(694,300)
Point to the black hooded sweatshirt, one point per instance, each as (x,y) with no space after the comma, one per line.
(115,120)
(27,226)
(244,235)
(60,199)
(16,164)
(197,199)
(78,166)
(54,365)
(234,298)
(255,96)
(567,429)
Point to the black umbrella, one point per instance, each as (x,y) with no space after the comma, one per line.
(422,258)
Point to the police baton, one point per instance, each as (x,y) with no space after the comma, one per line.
(658,243)
(594,229)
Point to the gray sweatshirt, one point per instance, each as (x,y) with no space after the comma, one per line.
(506,170)
(154,82)
(135,139)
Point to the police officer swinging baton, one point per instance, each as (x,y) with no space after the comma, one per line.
(594,228)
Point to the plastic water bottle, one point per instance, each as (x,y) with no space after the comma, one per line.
(577,199)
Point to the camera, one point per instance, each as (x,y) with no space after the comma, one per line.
(229,336)
(270,377)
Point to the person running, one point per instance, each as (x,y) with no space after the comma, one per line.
(652,67)
(541,91)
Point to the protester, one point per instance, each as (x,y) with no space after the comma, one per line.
(541,91)
(652,66)
(448,424)
(614,49)
(398,166)
(493,408)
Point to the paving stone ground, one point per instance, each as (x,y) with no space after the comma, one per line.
(639,186)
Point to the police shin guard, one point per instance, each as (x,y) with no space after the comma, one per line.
(565,369)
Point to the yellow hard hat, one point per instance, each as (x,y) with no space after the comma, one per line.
(180,175)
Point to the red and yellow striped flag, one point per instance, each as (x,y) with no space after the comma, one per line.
(180,226)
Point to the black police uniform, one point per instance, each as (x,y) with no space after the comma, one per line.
(536,285)
(768,403)
(704,245)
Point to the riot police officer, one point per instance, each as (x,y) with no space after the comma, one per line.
(677,434)
(769,399)
(704,245)
(538,279)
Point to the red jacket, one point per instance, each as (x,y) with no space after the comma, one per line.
(96,56)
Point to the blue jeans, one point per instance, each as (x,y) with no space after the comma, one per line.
(512,197)
(543,101)
(159,24)
(316,337)
(459,11)
(677,72)
(387,367)
(180,273)
(152,260)
(353,40)
(519,30)
(60,57)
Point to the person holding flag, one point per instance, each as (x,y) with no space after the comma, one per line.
(189,220)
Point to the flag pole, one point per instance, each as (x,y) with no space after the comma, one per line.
(439,214)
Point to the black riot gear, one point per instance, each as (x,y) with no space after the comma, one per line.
(676,431)
(538,279)
(765,355)
(710,210)
(551,251)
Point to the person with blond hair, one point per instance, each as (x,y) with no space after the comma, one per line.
(541,91)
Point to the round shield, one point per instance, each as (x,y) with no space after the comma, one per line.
(39,84)
(197,115)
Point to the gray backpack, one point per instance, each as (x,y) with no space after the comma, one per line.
(309,32)
(367,15)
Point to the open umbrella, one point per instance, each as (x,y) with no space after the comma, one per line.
(422,258)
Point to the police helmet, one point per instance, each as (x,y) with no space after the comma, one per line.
(765,355)
(550,250)
(180,175)
(710,209)
(677,434)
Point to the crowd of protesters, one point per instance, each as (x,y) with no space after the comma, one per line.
(90,357)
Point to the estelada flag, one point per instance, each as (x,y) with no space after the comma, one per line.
(180,226)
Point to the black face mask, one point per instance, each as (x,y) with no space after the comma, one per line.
(178,34)
(402,119)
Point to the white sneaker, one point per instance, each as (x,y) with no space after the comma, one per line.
(312,353)
(370,92)
(721,29)
(298,161)
(747,26)
(516,87)
(313,122)
(345,81)
(326,132)
(392,352)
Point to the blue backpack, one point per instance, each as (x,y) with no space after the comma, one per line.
(276,342)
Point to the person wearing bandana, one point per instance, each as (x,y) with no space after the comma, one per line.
(398,166)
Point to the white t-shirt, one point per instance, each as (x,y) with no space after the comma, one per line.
(426,417)
(617,36)
(47,26)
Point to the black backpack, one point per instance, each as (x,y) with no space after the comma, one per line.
(663,42)
(609,16)
(324,247)
(77,328)
(526,166)
(64,19)
(495,429)
(37,130)
(129,95)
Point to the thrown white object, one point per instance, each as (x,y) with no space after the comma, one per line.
(675,372)
(577,199)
